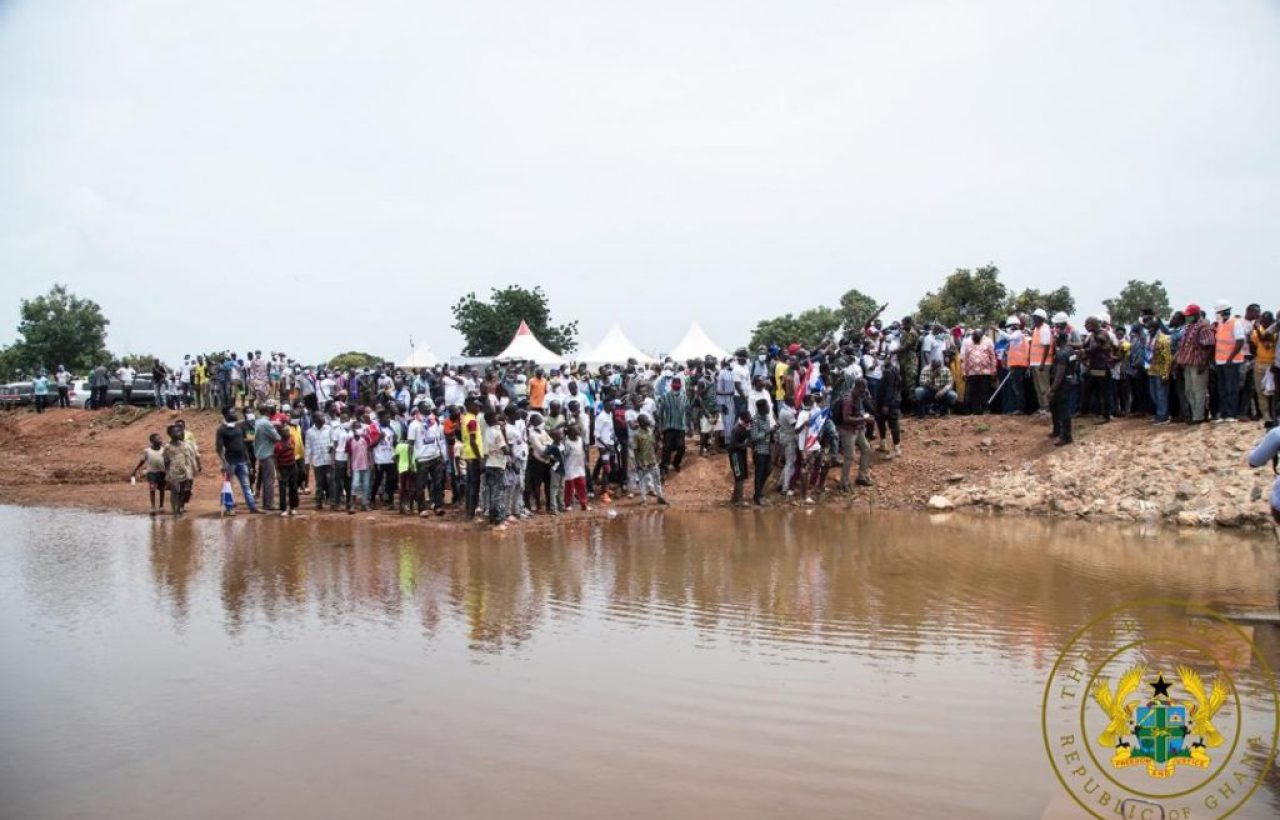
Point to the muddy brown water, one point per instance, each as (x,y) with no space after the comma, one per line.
(708,665)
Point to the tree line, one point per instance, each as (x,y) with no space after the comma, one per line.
(60,327)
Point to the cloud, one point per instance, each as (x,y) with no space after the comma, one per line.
(204,169)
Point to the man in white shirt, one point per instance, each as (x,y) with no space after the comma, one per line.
(495,468)
(126,376)
(933,345)
(455,392)
(429,450)
(318,445)
(741,381)
(760,390)
(339,435)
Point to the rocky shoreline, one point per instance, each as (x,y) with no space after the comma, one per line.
(1189,476)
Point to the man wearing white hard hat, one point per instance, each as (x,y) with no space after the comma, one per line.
(1017,356)
(1040,340)
(1229,334)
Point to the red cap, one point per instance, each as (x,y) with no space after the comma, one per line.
(1191,310)
(793,348)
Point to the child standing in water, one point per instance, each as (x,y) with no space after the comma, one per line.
(359,457)
(153,460)
(404,467)
(181,464)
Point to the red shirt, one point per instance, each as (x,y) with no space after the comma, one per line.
(284,454)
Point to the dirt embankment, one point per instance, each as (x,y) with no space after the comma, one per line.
(1126,470)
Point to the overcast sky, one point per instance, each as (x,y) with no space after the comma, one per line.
(317,176)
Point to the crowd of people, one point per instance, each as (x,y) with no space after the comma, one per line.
(509,440)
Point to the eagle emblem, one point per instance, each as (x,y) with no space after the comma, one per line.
(1160,726)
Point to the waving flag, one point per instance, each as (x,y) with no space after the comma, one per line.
(812,432)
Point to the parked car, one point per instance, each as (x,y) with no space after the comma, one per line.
(22,394)
(16,394)
(142,395)
(79,394)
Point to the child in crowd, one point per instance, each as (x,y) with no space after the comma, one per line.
(286,457)
(181,464)
(555,460)
(358,452)
(408,482)
(153,460)
(574,451)
(648,473)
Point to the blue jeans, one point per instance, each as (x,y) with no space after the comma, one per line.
(1228,390)
(1011,401)
(1159,389)
(359,488)
(240,470)
(926,401)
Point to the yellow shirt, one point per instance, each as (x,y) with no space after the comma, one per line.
(1264,350)
(295,433)
(469,427)
(779,376)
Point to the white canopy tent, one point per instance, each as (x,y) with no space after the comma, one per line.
(615,348)
(420,357)
(696,344)
(525,347)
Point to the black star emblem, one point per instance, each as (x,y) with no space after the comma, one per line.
(1161,687)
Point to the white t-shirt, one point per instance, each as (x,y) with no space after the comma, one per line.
(871,366)
(384,452)
(605,437)
(454,391)
(494,441)
(932,346)
(428,440)
(575,458)
(756,395)
(517,439)
(339,434)
(125,375)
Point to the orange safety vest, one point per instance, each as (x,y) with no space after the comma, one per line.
(1041,354)
(1019,354)
(1226,341)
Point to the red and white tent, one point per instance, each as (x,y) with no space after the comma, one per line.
(525,347)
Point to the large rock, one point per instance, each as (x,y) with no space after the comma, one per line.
(1185,491)
(939,502)
(1230,517)
(1187,518)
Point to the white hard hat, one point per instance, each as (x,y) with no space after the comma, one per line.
(1222,306)
(1060,318)
(1012,320)
(1039,313)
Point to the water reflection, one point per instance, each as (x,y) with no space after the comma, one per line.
(890,585)
(709,665)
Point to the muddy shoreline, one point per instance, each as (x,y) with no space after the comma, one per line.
(1123,471)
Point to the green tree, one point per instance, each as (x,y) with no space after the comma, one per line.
(60,328)
(808,329)
(354,359)
(488,327)
(1134,297)
(11,365)
(1052,301)
(970,298)
(856,309)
